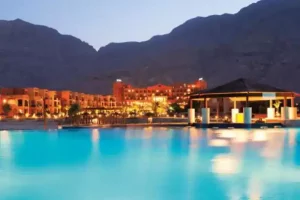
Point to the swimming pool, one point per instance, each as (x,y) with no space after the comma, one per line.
(150,164)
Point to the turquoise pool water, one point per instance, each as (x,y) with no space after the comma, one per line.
(150,164)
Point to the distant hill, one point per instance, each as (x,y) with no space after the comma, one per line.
(32,55)
(261,42)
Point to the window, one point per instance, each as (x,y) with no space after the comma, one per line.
(20,102)
(26,103)
(32,103)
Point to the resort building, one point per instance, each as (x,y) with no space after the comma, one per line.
(176,93)
(68,98)
(17,98)
(33,101)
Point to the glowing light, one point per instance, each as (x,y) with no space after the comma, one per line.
(241,136)
(225,164)
(4,101)
(227,134)
(4,137)
(259,136)
(95,135)
(95,121)
(119,80)
(218,143)
(201,79)
(16,117)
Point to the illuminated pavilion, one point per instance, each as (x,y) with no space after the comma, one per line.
(245,90)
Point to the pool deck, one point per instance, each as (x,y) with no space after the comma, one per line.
(126,125)
(197,125)
(239,125)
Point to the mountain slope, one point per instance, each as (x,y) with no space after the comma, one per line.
(259,42)
(262,42)
(32,55)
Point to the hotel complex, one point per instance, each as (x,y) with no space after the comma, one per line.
(32,101)
(127,94)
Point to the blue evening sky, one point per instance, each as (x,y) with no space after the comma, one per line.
(100,22)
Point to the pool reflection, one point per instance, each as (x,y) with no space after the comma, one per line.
(151,163)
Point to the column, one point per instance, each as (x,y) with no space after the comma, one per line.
(205,112)
(271,111)
(205,115)
(218,107)
(247,115)
(284,110)
(191,115)
(292,109)
(234,112)
(234,104)
(284,113)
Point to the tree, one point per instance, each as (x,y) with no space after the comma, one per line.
(175,108)
(6,108)
(74,110)
(159,108)
(277,106)
(155,107)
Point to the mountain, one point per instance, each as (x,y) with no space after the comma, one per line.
(260,42)
(32,55)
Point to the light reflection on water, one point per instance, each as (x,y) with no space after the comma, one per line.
(150,163)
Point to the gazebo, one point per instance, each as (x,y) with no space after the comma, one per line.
(244,90)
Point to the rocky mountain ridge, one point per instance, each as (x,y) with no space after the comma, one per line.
(260,42)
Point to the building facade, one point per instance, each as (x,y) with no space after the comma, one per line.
(33,101)
(176,93)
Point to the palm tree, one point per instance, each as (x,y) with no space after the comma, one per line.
(277,106)
(73,111)
(6,108)
(155,107)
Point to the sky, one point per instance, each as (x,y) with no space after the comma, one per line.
(100,22)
